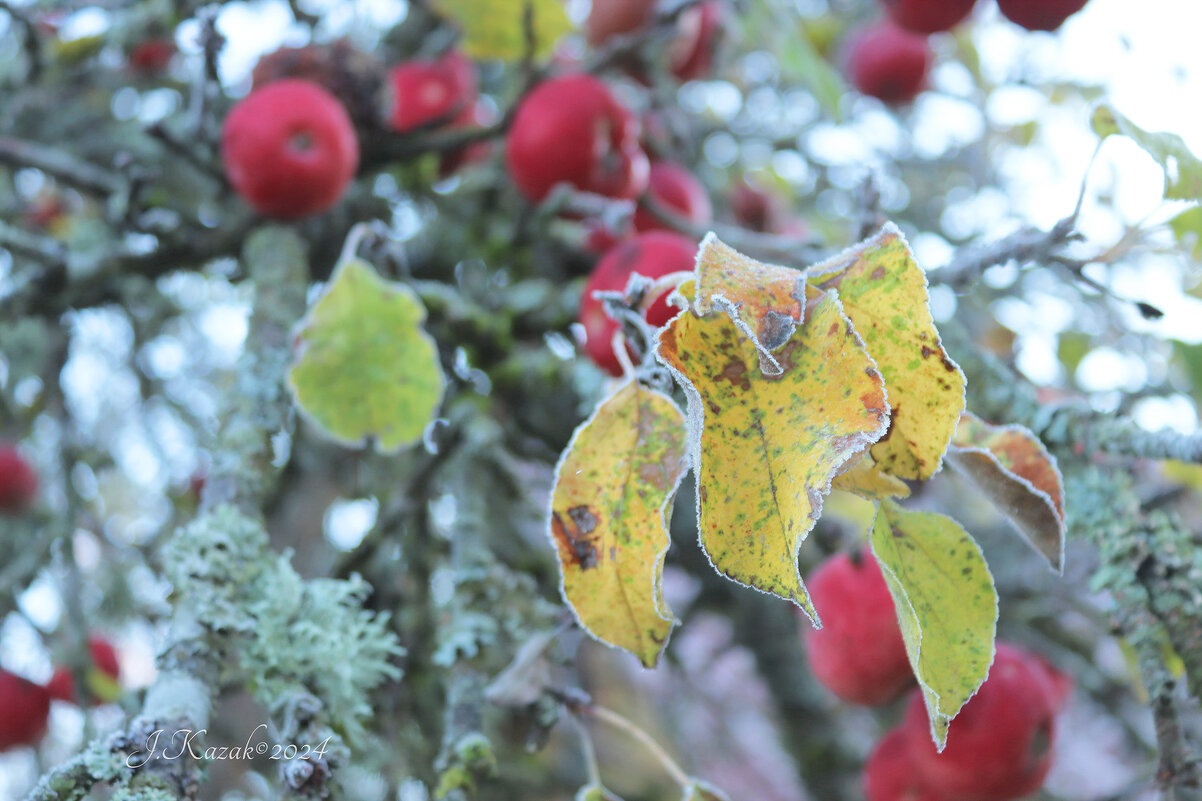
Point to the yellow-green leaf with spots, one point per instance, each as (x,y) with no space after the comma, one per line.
(494,29)
(366,368)
(767,446)
(866,479)
(946,604)
(612,487)
(766,302)
(1020,477)
(884,292)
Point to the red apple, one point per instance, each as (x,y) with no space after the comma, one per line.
(428,92)
(999,746)
(673,187)
(571,129)
(151,56)
(290,150)
(1040,15)
(18,481)
(889,774)
(102,676)
(654,255)
(858,654)
(24,710)
(754,207)
(928,16)
(889,63)
(691,53)
(616,17)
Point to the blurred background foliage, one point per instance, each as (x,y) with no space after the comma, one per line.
(124,317)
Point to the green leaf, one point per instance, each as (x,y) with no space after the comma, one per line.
(367,369)
(801,61)
(1182,169)
(1071,348)
(493,29)
(1187,227)
(767,446)
(612,487)
(946,604)
(1190,357)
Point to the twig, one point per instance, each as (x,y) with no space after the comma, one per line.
(1026,245)
(774,248)
(173,143)
(40,248)
(33,42)
(61,165)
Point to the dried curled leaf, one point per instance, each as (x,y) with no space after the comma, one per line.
(884,292)
(612,488)
(1020,477)
(767,446)
(766,302)
(946,604)
(366,366)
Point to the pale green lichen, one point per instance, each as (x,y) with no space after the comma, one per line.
(314,635)
(288,635)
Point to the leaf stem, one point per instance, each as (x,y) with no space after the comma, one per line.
(619,722)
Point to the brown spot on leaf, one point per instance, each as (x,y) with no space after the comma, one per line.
(878,273)
(735,372)
(575,544)
(927,352)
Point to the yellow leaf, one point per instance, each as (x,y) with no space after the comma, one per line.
(946,604)
(612,486)
(766,302)
(768,446)
(884,292)
(866,479)
(494,28)
(1014,470)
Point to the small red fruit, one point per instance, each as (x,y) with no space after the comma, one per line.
(24,711)
(616,17)
(755,208)
(151,56)
(858,654)
(889,63)
(654,255)
(889,774)
(430,92)
(673,187)
(1040,15)
(572,129)
(18,481)
(691,53)
(289,149)
(102,679)
(999,746)
(928,16)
